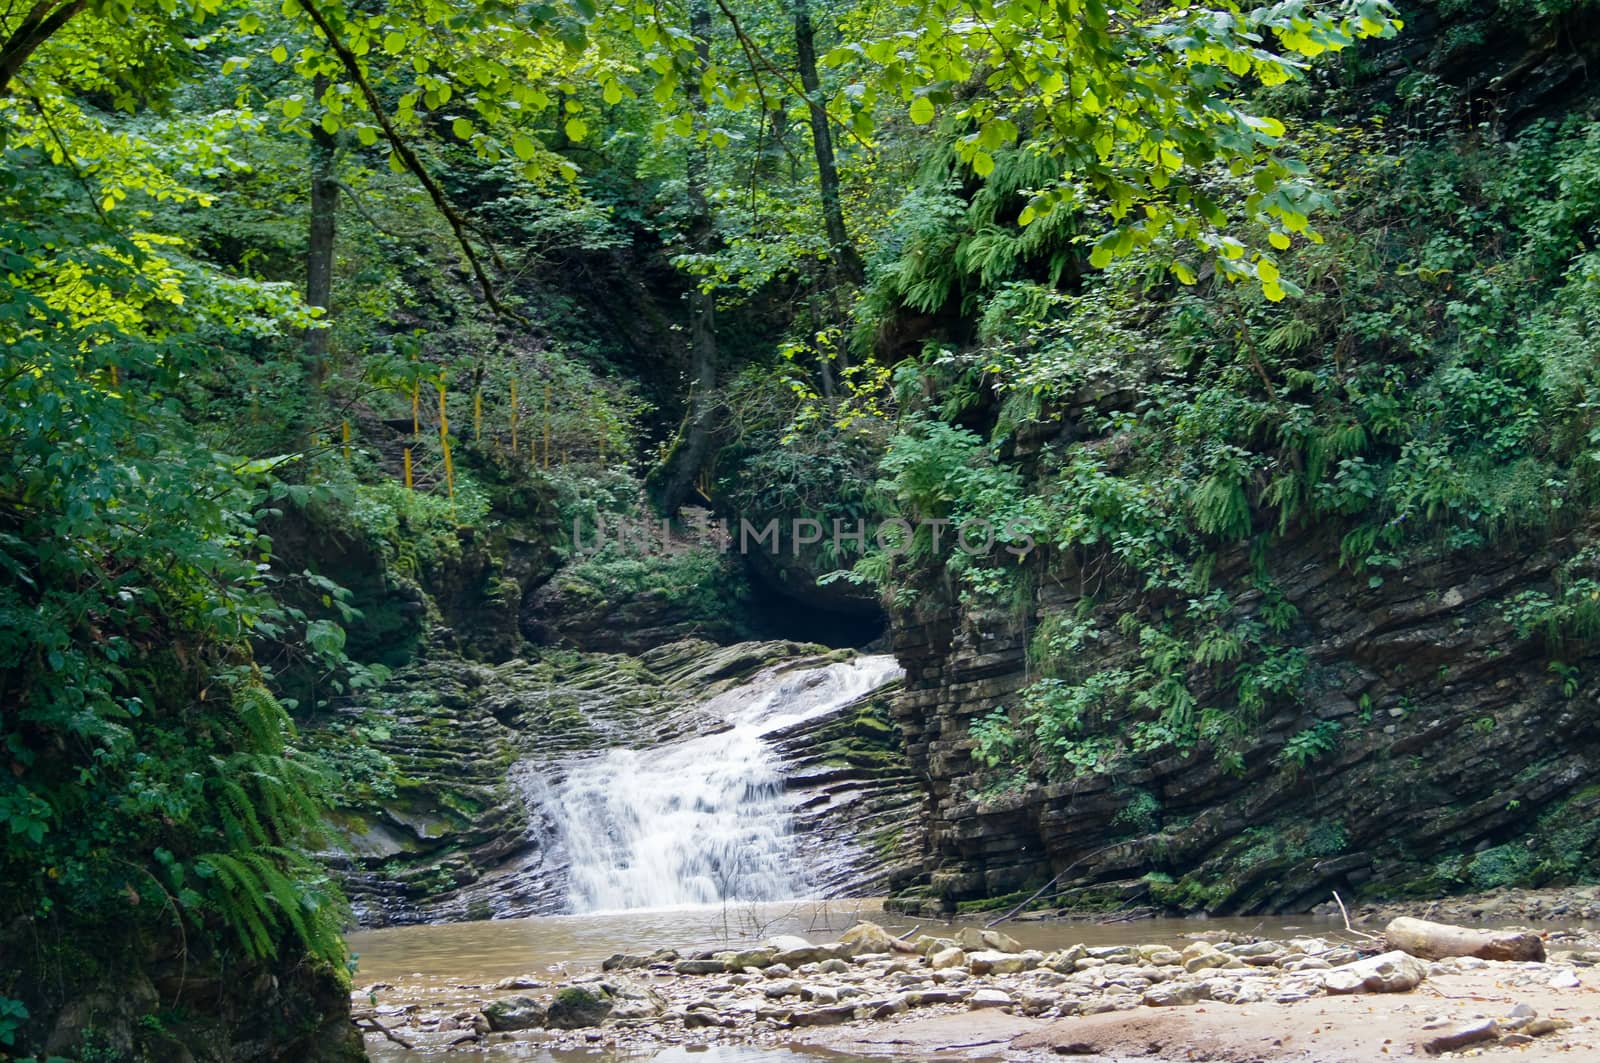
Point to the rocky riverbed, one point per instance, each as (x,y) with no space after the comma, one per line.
(981,993)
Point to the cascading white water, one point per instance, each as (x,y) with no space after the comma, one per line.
(699,821)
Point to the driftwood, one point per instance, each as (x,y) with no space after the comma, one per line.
(372,1025)
(1437,941)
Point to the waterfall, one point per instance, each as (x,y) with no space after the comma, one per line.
(699,821)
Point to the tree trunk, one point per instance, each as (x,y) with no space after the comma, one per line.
(1438,941)
(682,466)
(843,252)
(37,26)
(319,245)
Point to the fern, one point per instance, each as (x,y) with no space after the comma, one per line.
(1220,507)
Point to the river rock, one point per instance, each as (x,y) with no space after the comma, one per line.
(1202,956)
(623,961)
(1173,994)
(1066,960)
(944,959)
(927,944)
(700,967)
(828,1016)
(975,940)
(738,961)
(520,981)
(1392,972)
(699,1019)
(989,998)
(820,994)
(993,962)
(786,987)
(514,1013)
(631,1000)
(867,937)
(898,1004)
(794,951)
(1036,1002)
(575,1007)
(922,998)
(1459,1037)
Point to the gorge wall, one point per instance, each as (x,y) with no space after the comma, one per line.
(1462,759)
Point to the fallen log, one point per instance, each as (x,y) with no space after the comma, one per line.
(1438,941)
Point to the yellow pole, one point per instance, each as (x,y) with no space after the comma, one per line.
(344,431)
(547,426)
(513,415)
(444,446)
(409,486)
(416,402)
(115,380)
(477,416)
(449,473)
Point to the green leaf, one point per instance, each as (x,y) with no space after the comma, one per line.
(612,93)
(983,164)
(462,128)
(280,54)
(294,107)
(922,110)
(524,146)
(576,129)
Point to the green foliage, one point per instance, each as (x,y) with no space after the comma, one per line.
(1313,743)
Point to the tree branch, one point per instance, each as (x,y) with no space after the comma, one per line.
(407,156)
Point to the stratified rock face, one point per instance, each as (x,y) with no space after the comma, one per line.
(1462,759)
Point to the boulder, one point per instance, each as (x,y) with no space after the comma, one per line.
(944,959)
(1393,972)
(514,1013)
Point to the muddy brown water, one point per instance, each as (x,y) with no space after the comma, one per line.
(450,964)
